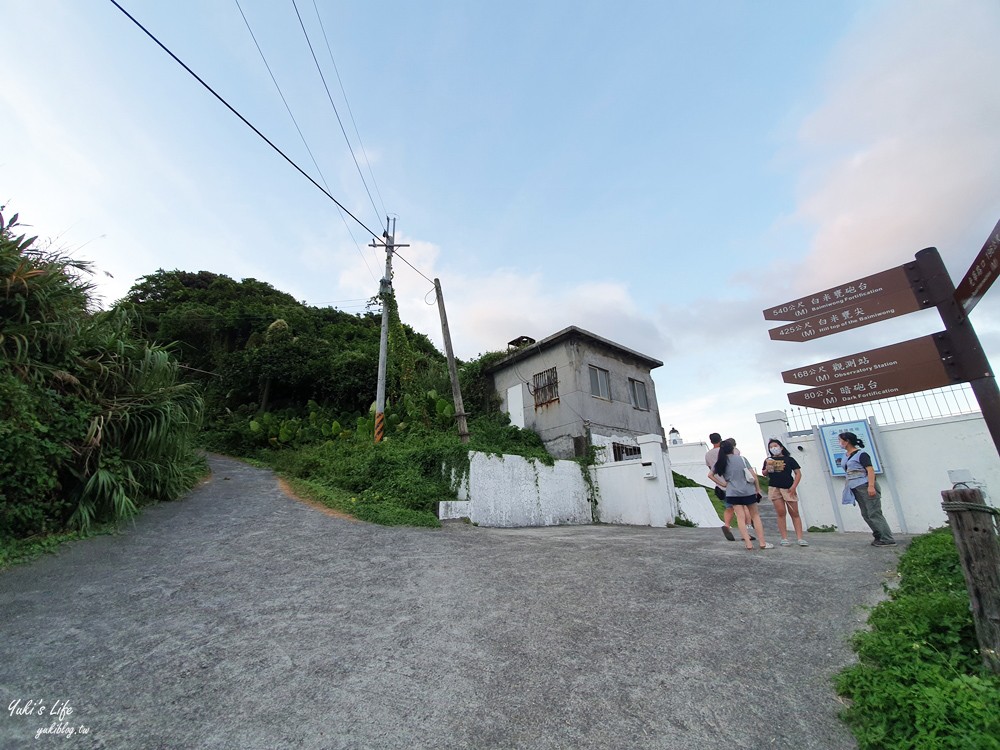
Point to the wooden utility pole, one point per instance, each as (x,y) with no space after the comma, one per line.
(974,526)
(385,289)
(456,389)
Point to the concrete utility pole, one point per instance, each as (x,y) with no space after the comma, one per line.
(385,289)
(456,390)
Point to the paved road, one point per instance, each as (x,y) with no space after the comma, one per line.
(241,618)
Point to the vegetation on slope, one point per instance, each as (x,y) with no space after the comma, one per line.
(919,682)
(94,421)
(292,386)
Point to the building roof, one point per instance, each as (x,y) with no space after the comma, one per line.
(566,334)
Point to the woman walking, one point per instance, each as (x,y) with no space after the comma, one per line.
(862,488)
(733,474)
(783,476)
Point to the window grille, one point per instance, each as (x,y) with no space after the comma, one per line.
(623,452)
(546,387)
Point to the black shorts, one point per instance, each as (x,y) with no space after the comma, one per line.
(746,500)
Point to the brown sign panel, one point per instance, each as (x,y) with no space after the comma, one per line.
(885,385)
(846,318)
(845,296)
(981,275)
(906,356)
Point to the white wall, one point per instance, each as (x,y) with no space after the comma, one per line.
(637,492)
(697,507)
(688,460)
(916,457)
(504,491)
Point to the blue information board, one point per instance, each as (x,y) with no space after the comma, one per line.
(835,455)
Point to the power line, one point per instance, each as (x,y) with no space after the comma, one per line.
(245,120)
(333,62)
(339,121)
(413,267)
(304,143)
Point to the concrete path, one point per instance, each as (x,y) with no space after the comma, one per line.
(242,618)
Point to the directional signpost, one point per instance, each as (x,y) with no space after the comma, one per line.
(930,353)
(983,272)
(847,296)
(896,383)
(845,318)
(953,356)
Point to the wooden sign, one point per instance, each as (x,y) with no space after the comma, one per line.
(847,317)
(844,297)
(981,275)
(895,383)
(907,356)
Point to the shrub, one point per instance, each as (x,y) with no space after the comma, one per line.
(92,418)
(919,682)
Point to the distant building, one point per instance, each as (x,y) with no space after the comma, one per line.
(576,389)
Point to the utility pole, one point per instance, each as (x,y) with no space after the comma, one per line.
(385,289)
(456,389)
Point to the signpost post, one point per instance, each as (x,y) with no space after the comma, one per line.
(953,356)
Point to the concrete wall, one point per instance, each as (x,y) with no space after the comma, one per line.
(697,507)
(617,415)
(557,422)
(560,421)
(688,459)
(637,492)
(916,458)
(505,491)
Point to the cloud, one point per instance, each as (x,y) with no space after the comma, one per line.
(902,153)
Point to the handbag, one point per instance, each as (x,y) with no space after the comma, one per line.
(748,472)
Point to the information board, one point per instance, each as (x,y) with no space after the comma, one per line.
(835,455)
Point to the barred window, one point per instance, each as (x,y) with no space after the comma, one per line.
(546,386)
(638,391)
(623,452)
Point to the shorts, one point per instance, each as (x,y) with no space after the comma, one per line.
(746,500)
(780,493)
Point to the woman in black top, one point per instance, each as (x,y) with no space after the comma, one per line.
(783,476)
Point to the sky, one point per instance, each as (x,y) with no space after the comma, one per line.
(655,172)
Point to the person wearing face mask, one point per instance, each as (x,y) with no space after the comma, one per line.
(783,476)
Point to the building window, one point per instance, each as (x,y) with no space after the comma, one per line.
(546,387)
(600,383)
(625,452)
(638,390)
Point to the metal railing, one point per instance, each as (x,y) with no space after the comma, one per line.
(951,401)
